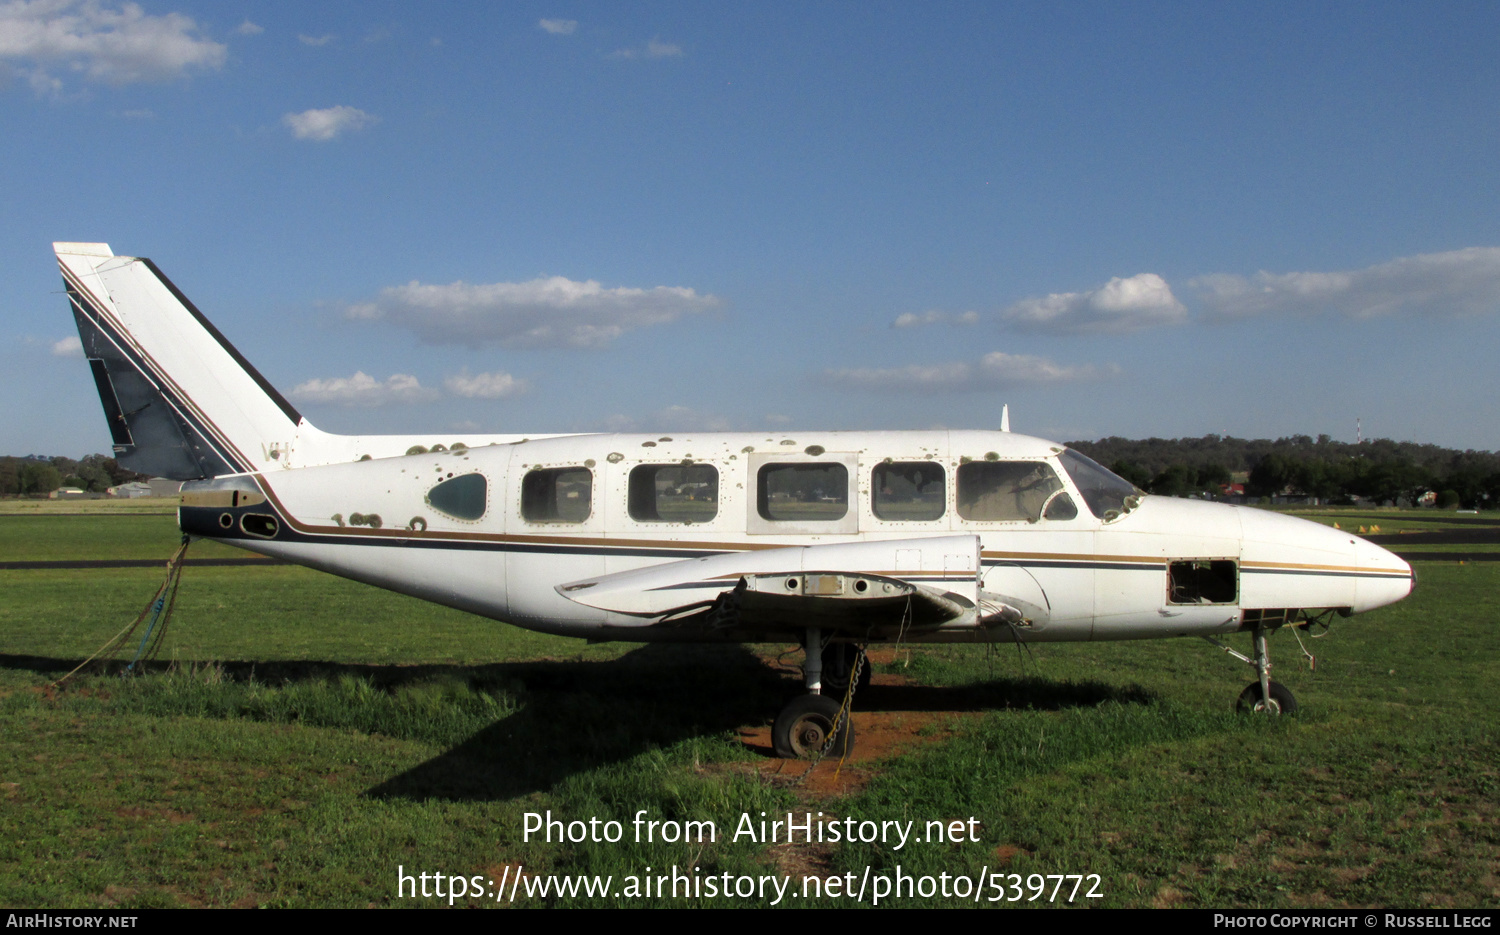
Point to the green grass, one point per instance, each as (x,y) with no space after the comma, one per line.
(25,506)
(303,736)
(1397,521)
(121,535)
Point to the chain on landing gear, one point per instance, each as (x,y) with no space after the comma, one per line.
(815,725)
(1262,696)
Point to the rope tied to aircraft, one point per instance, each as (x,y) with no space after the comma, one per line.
(158,609)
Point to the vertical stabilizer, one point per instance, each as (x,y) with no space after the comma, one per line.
(180,400)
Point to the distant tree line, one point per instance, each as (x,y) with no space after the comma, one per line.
(34,474)
(1379,470)
(1335,472)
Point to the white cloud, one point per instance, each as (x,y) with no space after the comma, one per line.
(314,40)
(116,45)
(1460,282)
(248,28)
(995,370)
(1120,305)
(485,385)
(327,123)
(934,316)
(68,347)
(688,419)
(653,49)
(552,312)
(364,390)
(671,419)
(559,27)
(658,49)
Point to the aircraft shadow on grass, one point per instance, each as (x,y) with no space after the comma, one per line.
(577,716)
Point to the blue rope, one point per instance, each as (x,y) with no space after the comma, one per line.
(155,615)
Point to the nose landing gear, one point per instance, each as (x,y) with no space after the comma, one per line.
(1252,700)
(1262,696)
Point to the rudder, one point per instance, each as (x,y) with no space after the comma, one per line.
(180,400)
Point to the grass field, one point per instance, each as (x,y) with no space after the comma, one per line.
(303,737)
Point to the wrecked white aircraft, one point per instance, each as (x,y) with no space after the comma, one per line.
(835,540)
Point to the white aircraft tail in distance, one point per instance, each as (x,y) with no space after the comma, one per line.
(835,540)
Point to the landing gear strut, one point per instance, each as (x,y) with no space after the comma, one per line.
(839,659)
(816,725)
(1262,696)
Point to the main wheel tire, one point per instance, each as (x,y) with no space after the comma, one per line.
(1251,701)
(838,662)
(803,726)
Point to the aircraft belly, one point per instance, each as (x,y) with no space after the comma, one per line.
(535,605)
(429,574)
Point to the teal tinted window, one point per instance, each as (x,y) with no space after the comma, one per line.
(462,497)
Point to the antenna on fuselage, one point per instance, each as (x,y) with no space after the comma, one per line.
(1005,418)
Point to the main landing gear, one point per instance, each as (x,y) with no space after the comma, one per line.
(805,726)
(816,725)
(1262,696)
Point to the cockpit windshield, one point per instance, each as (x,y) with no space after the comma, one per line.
(1107,495)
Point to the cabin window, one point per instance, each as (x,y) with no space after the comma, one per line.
(1202,581)
(803,492)
(461,497)
(908,491)
(997,491)
(557,495)
(674,493)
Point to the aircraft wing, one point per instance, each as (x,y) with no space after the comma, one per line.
(856,588)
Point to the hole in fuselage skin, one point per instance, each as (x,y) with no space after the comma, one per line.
(258,524)
(791,584)
(226,521)
(861,586)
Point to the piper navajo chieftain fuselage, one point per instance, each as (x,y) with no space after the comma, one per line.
(832,539)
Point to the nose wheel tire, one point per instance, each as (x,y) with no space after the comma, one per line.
(1252,700)
(803,727)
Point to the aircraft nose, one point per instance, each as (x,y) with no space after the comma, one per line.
(1385,577)
(1298,563)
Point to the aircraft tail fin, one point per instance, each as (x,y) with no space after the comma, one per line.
(180,400)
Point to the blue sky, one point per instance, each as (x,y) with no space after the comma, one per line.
(1121,219)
